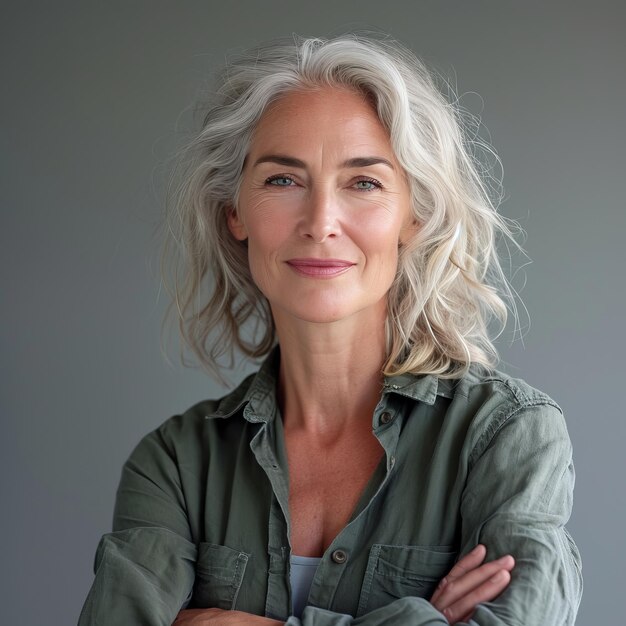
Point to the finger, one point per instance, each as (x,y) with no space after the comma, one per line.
(455,589)
(469,562)
(485,592)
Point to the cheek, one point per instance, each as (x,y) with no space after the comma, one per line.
(379,235)
(387,266)
(265,243)
(268,218)
(266,238)
(259,263)
(380,247)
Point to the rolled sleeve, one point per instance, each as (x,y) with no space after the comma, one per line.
(409,610)
(143,576)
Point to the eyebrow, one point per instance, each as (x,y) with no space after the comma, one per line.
(288,161)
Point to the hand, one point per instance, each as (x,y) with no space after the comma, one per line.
(471,582)
(220,617)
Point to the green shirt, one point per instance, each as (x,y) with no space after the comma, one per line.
(202,519)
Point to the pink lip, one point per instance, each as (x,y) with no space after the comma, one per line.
(320,268)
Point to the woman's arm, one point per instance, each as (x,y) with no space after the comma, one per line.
(145,568)
(517,500)
(469,583)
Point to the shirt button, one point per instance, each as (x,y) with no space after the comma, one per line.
(385,417)
(339,556)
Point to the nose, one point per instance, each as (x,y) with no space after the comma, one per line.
(320,216)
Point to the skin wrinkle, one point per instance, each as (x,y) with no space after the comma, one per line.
(289,161)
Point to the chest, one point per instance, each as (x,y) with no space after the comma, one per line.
(326,483)
(262,492)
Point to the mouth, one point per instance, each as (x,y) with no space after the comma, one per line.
(320,268)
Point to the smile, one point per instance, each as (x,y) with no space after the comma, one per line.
(320,268)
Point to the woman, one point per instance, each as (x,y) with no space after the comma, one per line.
(376,469)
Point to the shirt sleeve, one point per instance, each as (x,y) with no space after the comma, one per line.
(517,499)
(145,568)
(409,610)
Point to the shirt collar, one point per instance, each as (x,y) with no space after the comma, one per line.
(257,393)
(424,387)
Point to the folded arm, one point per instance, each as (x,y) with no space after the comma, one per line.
(145,568)
(516,501)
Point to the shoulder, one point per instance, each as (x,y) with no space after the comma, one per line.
(163,481)
(480,383)
(185,434)
(494,405)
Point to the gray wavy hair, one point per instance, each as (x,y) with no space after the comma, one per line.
(449,285)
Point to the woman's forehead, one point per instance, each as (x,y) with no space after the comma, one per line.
(335,119)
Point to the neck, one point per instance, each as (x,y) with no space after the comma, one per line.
(330,374)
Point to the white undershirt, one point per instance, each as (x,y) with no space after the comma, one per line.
(301,576)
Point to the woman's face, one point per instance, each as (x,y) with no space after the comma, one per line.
(324,205)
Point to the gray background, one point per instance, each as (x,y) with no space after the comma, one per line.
(94,100)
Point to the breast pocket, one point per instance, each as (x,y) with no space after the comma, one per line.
(395,572)
(219,574)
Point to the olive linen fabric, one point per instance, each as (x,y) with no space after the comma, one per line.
(201,517)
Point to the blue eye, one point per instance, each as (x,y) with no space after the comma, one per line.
(279,181)
(367,185)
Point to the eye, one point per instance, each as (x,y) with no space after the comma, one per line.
(281,180)
(367,184)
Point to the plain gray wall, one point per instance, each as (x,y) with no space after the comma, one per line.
(92,95)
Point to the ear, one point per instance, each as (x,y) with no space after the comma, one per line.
(235,224)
